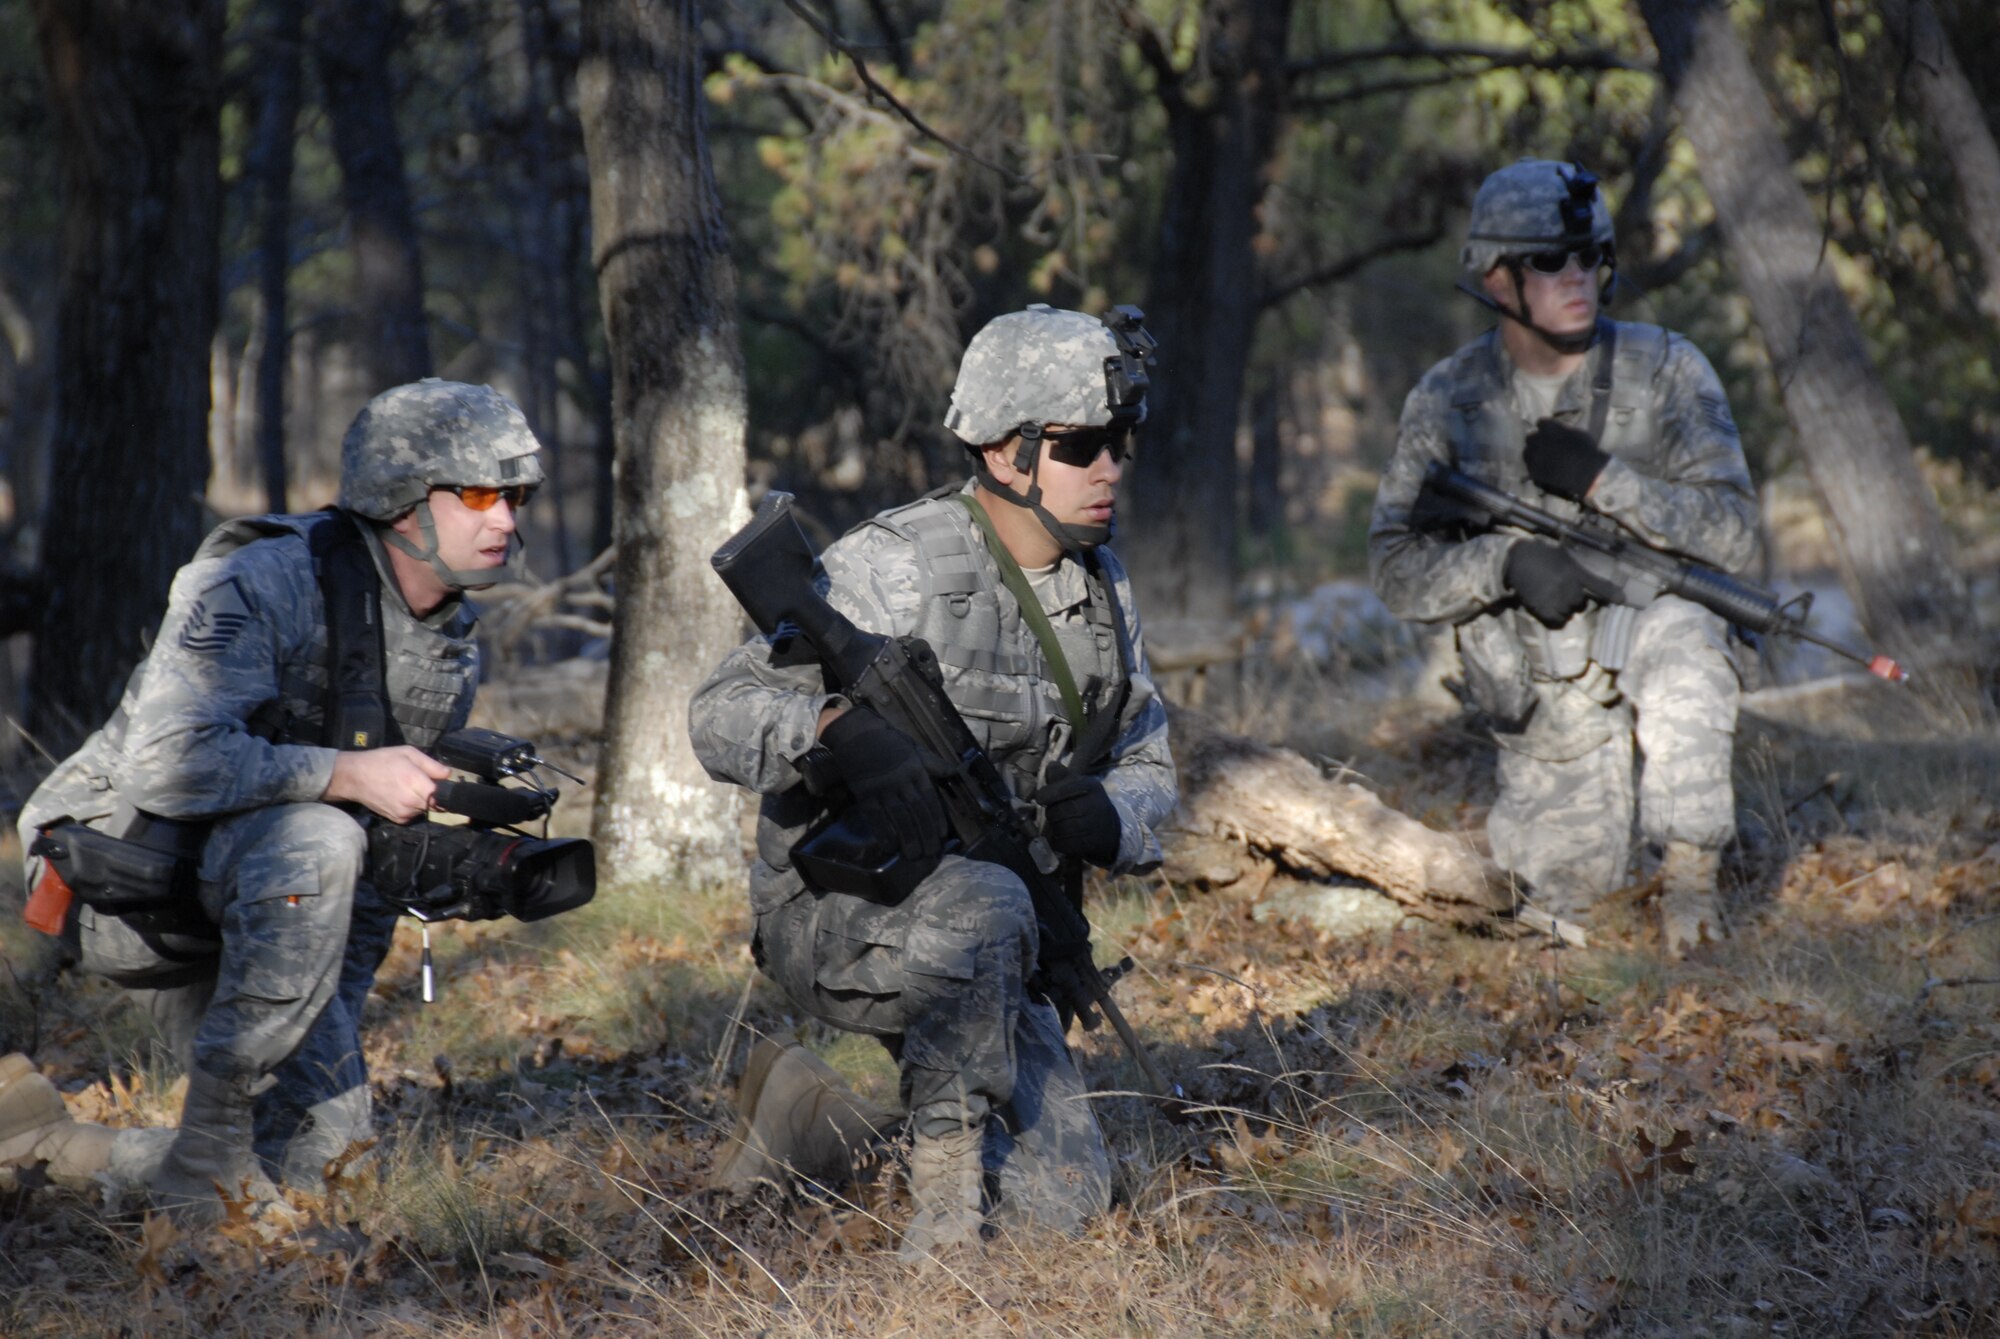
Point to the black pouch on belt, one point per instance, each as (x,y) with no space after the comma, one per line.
(120,877)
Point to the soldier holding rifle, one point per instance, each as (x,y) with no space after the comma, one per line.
(1588,418)
(1034,639)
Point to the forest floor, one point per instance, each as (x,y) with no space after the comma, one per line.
(1411,1131)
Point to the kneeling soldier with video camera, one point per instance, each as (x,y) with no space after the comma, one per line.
(210,847)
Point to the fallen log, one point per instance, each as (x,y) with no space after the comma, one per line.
(1253,811)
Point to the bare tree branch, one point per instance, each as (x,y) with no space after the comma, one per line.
(859,110)
(1489,61)
(714,58)
(515,609)
(1582,58)
(875,86)
(1349,265)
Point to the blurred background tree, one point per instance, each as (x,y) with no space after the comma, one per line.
(402,185)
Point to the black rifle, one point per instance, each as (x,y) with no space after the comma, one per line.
(1624,570)
(768,566)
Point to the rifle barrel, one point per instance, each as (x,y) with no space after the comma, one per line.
(1738,601)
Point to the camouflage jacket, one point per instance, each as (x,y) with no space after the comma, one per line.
(209,718)
(1677,478)
(924,570)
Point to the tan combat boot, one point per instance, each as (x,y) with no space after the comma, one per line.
(211,1155)
(945,1181)
(795,1116)
(1688,916)
(36,1128)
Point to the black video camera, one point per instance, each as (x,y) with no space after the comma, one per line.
(486,867)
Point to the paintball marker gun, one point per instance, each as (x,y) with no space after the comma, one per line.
(1623,570)
(769,567)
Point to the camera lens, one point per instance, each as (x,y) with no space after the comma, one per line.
(545,878)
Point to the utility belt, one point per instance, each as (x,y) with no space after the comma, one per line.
(148,877)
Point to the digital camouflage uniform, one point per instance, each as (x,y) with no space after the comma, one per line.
(221,722)
(940,977)
(1676,479)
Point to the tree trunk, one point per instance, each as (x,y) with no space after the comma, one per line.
(135,86)
(1266,502)
(271,162)
(1894,554)
(1223,120)
(352,40)
(667,290)
(539,209)
(1960,126)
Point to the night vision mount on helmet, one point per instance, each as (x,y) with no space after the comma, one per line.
(1530,208)
(1030,369)
(434,434)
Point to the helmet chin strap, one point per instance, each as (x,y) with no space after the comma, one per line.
(452,578)
(1576,342)
(1074,539)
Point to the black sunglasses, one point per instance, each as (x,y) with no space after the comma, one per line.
(1555,262)
(1080,446)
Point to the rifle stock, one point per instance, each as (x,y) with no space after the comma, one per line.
(1624,570)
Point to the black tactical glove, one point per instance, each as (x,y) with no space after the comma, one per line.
(884,772)
(1548,581)
(1563,460)
(1079,818)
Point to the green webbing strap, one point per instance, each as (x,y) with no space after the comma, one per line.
(1031,609)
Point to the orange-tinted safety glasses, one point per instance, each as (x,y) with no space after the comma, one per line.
(480,497)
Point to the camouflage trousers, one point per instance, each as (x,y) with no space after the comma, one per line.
(278,1000)
(940,978)
(1568,793)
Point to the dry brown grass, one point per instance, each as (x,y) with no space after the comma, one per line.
(1415,1133)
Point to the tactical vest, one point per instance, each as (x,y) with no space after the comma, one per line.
(430,672)
(1487,438)
(993,668)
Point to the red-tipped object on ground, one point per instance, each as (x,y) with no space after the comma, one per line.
(1884,668)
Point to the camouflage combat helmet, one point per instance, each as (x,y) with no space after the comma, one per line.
(1039,366)
(429,434)
(433,434)
(1030,369)
(1529,206)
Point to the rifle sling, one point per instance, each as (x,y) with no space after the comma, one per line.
(1600,385)
(1031,609)
(1092,731)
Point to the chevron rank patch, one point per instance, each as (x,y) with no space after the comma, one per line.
(1715,410)
(219,613)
